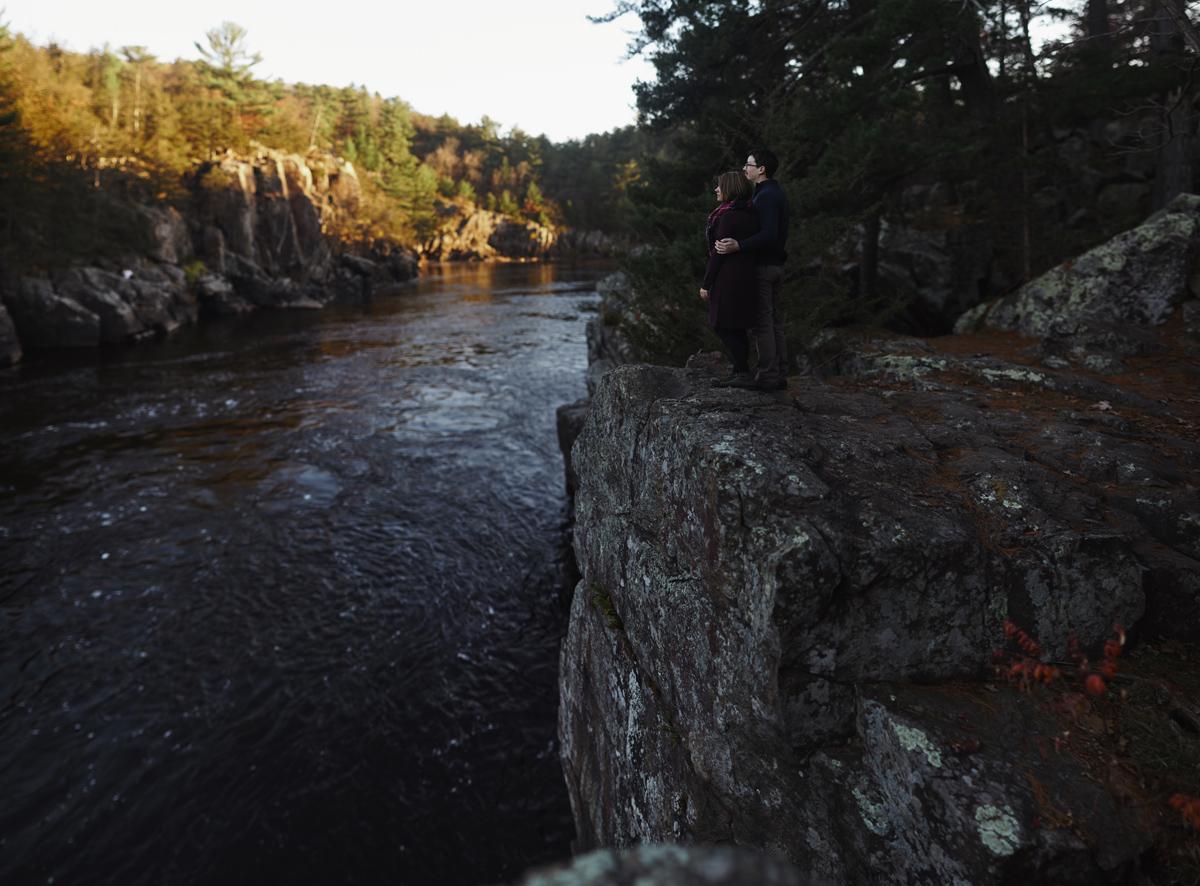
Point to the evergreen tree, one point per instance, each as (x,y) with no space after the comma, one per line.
(865,99)
(16,157)
(226,68)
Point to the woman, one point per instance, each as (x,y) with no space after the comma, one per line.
(729,282)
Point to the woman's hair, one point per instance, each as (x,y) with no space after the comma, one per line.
(734,186)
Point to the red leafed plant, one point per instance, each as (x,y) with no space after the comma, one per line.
(1189,810)
(1025,668)
(1095,680)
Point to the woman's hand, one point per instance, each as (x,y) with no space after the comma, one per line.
(704,294)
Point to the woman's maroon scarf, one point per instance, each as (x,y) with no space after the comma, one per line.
(710,229)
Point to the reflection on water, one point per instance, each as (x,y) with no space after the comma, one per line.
(282,595)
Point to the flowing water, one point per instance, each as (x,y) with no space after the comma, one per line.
(281,595)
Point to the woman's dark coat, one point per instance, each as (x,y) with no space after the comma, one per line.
(730,279)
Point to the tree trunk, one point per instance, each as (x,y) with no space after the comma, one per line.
(1002,53)
(137,99)
(971,68)
(1177,12)
(1026,240)
(868,264)
(1026,41)
(1173,175)
(1097,23)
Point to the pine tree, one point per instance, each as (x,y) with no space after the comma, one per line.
(226,68)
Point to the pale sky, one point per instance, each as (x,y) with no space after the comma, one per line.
(537,64)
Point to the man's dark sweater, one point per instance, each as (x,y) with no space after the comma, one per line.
(773,215)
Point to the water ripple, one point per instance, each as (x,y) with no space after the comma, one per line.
(282,595)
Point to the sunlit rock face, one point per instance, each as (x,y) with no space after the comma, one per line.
(256,233)
(761,572)
(480,234)
(270,211)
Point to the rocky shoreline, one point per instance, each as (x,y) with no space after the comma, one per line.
(790,603)
(257,232)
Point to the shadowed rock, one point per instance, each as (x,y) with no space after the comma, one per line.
(1097,309)
(44,319)
(118,322)
(755,566)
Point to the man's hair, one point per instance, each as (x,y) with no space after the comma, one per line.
(734,186)
(765,158)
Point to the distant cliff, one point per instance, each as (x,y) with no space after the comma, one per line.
(473,234)
(252,232)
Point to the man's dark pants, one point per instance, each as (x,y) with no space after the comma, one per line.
(768,334)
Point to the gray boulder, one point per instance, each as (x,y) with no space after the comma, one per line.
(118,322)
(1138,277)
(156,303)
(359,277)
(156,306)
(364,267)
(10,346)
(216,295)
(212,241)
(44,319)
(522,239)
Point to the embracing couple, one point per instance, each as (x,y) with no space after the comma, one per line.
(746,236)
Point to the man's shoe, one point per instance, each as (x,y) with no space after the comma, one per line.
(755,384)
(732,379)
(748,383)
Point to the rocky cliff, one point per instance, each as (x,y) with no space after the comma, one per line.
(255,233)
(790,603)
(472,234)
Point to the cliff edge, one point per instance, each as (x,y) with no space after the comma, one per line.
(790,603)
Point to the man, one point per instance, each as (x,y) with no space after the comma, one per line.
(769,255)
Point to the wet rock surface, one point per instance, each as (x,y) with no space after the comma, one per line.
(782,593)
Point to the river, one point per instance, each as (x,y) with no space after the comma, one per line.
(282,594)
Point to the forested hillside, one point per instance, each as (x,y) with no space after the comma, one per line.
(921,119)
(85,134)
